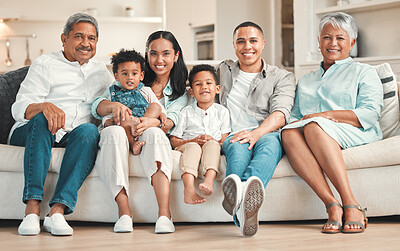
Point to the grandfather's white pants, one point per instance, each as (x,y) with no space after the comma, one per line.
(112,160)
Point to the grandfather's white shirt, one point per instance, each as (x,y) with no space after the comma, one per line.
(68,85)
(194,121)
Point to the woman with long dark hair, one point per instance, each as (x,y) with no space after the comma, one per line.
(166,74)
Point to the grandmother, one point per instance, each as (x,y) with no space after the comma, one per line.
(336,107)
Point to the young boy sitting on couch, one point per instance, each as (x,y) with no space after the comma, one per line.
(200,132)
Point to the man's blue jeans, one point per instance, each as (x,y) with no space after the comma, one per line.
(79,157)
(260,161)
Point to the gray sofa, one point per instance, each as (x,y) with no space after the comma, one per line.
(373,170)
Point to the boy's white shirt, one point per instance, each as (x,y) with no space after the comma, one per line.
(194,121)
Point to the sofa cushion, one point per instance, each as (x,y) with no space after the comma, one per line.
(378,154)
(176,171)
(9,85)
(389,120)
(13,161)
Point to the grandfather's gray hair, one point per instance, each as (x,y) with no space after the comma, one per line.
(80,18)
(340,20)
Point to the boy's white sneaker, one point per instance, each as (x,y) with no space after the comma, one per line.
(57,225)
(124,224)
(30,225)
(164,225)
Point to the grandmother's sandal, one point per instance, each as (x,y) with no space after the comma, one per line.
(362,226)
(333,222)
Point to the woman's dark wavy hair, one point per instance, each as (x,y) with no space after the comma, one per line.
(179,72)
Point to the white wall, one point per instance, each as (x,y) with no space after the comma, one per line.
(183,15)
(112,37)
(233,12)
(378,38)
(178,16)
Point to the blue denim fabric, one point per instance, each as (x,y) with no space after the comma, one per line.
(260,161)
(130,98)
(78,161)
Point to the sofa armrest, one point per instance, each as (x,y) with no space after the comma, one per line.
(9,85)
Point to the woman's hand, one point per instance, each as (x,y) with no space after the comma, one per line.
(167,124)
(328,115)
(342,116)
(109,122)
(145,123)
(163,118)
(120,112)
(243,137)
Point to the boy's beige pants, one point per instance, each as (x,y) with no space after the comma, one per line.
(192,153)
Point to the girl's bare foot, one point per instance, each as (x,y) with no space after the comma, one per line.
(136,147)
(191,197)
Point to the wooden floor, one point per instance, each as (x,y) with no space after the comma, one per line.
(382,234)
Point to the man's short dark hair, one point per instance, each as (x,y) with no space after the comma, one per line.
(248,24)
(202,67)
(127,56)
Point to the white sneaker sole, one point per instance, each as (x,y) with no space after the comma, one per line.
(58,232)
(232,191)
(29,231)
(252,201)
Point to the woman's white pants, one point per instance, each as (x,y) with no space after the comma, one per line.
(112,162)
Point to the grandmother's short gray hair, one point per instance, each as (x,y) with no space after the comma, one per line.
(80,18)
(342,21)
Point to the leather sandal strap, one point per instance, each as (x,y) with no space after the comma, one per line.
(353,206)
(332,204)
(363,210)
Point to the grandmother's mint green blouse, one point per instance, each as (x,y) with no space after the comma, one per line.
(346,85)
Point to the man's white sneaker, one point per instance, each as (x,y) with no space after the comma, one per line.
(232,189)
(57,225)
(247,213)
(164,225)
(124,224)
(30,225)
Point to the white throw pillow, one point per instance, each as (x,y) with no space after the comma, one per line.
(390,114)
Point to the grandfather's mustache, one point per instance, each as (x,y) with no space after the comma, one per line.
(87,48)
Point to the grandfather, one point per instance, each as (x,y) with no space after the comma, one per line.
(52,109)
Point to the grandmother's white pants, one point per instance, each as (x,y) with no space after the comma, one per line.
(112,160)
